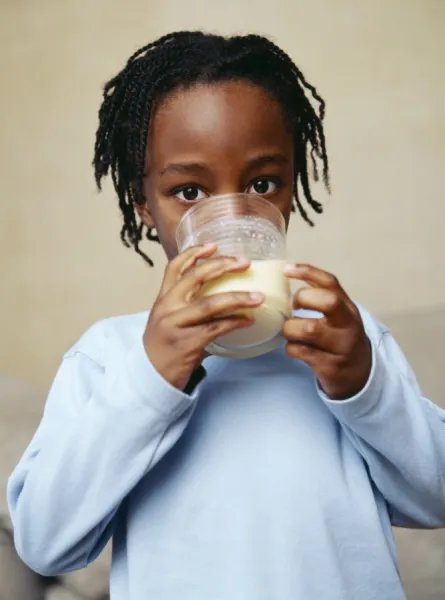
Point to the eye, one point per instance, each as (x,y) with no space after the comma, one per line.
(190,193)
(262,187)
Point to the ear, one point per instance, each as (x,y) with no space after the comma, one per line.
(145,215)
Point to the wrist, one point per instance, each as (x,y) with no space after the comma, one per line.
(176,373)
(339,391)
(352,380)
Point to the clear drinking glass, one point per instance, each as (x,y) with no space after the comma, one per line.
(245,226)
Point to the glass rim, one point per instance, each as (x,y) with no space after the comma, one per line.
(211,199)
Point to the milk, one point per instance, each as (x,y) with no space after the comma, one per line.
(264,276)
(250,226)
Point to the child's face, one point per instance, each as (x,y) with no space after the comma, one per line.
(215,139)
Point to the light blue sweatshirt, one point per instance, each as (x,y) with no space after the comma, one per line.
(254,487)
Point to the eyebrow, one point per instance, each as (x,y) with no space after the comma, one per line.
(266,159)
(258,161)
(185,167)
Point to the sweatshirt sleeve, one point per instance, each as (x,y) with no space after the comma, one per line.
(400,435)
(103,428)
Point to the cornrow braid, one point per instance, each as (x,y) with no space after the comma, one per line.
(186,58)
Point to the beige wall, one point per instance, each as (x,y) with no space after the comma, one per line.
(379,64)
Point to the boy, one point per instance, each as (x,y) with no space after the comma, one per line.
(271,478)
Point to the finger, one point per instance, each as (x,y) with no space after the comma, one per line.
(314,333)
(205,272)
(217,306)
(313,276)
(304,352)
(184,261)
(319,360)
(208,332)
(334,305)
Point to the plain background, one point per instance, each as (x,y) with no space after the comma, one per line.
(378,63)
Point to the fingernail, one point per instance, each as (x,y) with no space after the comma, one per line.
(248,322)
(291,268)
(242,261)
(256,296)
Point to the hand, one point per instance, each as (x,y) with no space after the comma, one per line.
(182,322)
(335,346)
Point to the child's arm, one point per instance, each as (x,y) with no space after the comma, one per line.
(400,435)
(108,421)
(104,426)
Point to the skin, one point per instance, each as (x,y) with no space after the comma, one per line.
(226,138)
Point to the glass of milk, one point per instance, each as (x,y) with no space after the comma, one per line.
(244,226)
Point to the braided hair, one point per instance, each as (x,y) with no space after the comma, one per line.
(184,59)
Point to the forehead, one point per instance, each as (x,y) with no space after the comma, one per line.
(234,119)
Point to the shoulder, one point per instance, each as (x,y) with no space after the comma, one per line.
(109,338)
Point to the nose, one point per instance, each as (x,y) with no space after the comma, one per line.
(228,189)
